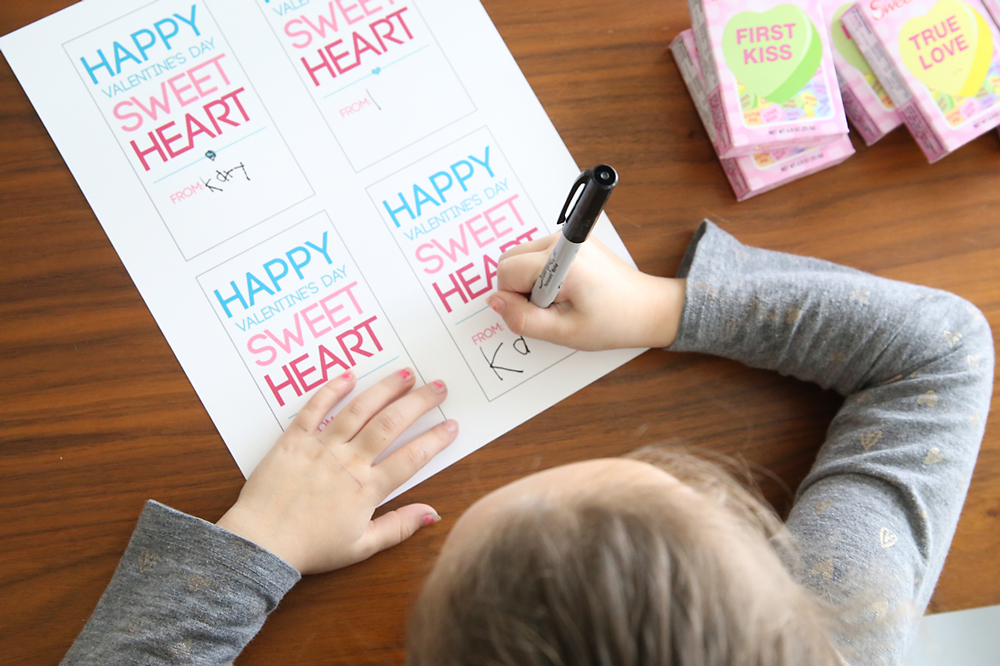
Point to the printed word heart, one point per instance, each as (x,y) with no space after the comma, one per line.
(377,70)
(887,539)
(949,48)
(845,45)
(773,53)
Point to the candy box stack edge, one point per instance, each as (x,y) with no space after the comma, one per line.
(754,174)
(940,64)
(866,102)
(768,75)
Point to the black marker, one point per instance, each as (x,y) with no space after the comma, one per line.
(597,184)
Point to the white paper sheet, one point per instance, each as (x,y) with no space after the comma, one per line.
(300,187)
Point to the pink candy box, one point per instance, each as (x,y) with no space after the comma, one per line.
(993,7)
(866,101)
(752,174)
(938,60)
(769,75)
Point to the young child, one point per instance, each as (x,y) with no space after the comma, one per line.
(649,559)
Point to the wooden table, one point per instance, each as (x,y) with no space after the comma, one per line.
(97,415)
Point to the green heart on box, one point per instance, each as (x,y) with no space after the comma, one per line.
(783,61)
(845,45)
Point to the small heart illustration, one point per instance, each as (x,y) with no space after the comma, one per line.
(870,438)
(887,539)
(824,568)
(822,506)
(845,45)
(929,399)
(773,53)
(377,70)
(933,456)
(949,49)
(973,362)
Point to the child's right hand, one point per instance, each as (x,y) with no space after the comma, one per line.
(603,304)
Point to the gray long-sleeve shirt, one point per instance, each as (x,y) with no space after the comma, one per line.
(874,517)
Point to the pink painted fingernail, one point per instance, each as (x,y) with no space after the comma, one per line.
(404,374)
(347,376)
(497,304)
(430,519)
(438,386)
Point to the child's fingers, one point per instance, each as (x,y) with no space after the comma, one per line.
(520,272)
(385,427)
(310,416)
(394,527)
(353,417)
(524,318)
(407,460)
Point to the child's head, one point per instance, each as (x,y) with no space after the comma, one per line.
(617,561)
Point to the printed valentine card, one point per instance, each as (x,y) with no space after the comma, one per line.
(301,188)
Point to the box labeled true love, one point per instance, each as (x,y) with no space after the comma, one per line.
(768,73)
(866,101)
(751,175)
(938,60)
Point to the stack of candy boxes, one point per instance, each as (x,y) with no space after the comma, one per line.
(775,80)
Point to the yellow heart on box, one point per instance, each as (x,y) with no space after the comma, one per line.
(949,49)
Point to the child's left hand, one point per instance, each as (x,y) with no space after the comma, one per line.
(310,500)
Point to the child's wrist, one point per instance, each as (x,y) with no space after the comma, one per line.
(665,308)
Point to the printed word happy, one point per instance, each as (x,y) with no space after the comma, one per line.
(440,182)
(275,270)
(138,45)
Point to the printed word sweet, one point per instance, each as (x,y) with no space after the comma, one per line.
(276,270)
(198,82)
(462,281)
(142,41)
(440,182)
(335,58)
(302,28)
(484,229)
(319,318)
(882,8)
(948,33)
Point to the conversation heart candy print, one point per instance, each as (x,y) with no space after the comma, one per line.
(775,57)
(950,50)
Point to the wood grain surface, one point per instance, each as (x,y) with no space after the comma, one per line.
(96,415)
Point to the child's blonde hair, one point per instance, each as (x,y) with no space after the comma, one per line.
(631,576)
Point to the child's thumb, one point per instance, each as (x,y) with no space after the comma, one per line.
(524,318)
(394,527)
